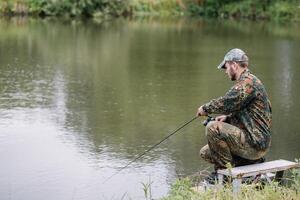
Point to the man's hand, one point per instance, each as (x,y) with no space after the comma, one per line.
(201,112)
(221,118)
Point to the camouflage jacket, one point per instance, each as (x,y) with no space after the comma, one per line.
(249,109)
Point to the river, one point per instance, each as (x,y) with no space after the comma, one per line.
(80,99)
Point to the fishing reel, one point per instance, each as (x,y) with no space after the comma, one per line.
(209,118)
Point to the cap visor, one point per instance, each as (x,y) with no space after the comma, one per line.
(221,65)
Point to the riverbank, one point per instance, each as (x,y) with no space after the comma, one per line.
(255,10)
(181,189)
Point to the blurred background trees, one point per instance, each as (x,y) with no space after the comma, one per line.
(252,9)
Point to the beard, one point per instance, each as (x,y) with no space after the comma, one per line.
(232,75)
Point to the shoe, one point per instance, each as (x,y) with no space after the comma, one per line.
(239,161)
(212,178)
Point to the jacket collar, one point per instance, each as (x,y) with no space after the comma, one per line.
(244,74)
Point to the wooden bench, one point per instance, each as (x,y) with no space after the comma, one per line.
(261,169)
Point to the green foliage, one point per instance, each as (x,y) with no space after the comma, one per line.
(253,9)
(147,189)
(11,7)
(285,10)
(78,7)
(5,7)
(244,9)
(296,178)
(211,7)
(157,7)
(73,8)
(181,190)
(196,10)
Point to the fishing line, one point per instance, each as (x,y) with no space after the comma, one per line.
(142,154)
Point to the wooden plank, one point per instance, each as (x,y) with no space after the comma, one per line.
(261,168)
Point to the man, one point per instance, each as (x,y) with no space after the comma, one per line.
(243,129)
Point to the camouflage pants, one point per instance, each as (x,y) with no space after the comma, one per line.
(225,140)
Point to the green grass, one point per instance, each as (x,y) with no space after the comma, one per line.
(181,190)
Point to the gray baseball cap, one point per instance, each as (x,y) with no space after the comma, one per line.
(236,55)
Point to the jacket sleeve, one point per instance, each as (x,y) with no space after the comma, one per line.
(239,96)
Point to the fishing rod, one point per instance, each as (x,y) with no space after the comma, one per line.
(142,154)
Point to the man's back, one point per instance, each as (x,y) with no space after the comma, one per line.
(254,117)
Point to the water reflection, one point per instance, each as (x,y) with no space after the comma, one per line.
(80,99)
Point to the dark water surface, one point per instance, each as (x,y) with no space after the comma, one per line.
(81,99)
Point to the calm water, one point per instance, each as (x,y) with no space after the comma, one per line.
(81,99)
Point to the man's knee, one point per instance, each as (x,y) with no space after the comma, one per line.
(203,152)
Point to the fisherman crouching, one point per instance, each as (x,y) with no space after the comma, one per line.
(241,134)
